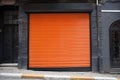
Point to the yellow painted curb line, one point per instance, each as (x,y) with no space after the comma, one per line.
(118,78)
(81,78)
(39,76)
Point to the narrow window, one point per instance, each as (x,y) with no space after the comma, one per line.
(115,44)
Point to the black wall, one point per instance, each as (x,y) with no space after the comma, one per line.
(23,39)
(107,18)
(55,1)
(1,27)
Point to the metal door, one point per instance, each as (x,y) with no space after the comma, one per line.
(10,35)
(59,40)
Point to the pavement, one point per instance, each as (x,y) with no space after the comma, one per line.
(13,73)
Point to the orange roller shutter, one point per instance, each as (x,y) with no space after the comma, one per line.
(59,40)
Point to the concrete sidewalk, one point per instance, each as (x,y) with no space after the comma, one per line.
(14,72)
(53,77)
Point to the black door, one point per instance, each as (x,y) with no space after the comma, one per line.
(10,35)
(10,44)
(115,44)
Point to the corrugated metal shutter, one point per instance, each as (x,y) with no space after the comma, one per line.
(59,40)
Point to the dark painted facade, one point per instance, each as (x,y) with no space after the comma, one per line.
(110,13)
(102,16)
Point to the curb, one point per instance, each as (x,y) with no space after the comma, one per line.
(53,77)
(9,65)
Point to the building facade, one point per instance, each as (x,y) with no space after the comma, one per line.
(70,35)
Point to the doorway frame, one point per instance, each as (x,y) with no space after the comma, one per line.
(27,8)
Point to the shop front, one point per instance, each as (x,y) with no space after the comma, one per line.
(58,36)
